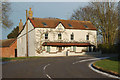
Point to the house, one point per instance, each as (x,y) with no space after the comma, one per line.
(55,37)
(8,48)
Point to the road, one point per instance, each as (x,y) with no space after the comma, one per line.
(52,67)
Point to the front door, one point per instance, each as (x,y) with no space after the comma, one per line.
(15,52)
(59,49)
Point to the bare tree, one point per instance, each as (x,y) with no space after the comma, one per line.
(103,15)
(5,15)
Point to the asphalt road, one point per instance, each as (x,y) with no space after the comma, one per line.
(57,67)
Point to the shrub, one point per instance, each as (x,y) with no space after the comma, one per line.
(107,48)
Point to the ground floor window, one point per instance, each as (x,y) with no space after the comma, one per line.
(74,48)
(48,48)
(43,48)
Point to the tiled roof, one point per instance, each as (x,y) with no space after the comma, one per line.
(52,23)
(65,44)
(6,42)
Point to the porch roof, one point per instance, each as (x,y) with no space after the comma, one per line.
(65,44)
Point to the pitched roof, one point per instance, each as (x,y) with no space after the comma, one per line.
(65,44)
(6,42)
(68,24)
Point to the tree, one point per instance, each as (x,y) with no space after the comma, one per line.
(103,15)
(14,33)
(5,15)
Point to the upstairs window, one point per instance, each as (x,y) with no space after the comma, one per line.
(69,25)
(44,23)
(46,35)
(85,26)
(59,36)
(87,37)
(72,36)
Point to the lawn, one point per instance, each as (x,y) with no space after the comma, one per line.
(110,64)
(16,58)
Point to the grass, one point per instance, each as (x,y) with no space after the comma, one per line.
(16,58)
(110,64)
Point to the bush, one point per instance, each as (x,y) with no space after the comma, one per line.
(107,48)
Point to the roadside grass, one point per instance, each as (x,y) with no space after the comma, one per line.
(110,64)
(16,58)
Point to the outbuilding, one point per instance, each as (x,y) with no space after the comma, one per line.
(8,48)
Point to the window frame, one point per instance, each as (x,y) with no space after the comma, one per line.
(87,37)
(46,35)
(48,48)
(59,36)
(74,48)
(72,36)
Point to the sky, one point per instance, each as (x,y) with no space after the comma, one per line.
(62,10)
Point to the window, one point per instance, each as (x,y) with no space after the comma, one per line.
(48,48)
(74,48)
(69,25)
(85,26)
(87,37)
(72,36)
(44,23)
(59,36)
(46,35)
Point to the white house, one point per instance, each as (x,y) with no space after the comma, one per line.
(55,37)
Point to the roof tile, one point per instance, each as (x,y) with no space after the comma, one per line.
(52,23)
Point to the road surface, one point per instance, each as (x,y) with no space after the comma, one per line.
(51,68)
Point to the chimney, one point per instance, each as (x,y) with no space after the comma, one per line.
(20,25)
(30,13)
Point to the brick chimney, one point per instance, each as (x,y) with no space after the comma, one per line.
(20,25)
(30,13)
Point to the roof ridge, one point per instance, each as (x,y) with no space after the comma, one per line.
(59,19)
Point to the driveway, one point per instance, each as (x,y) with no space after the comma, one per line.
(51,68)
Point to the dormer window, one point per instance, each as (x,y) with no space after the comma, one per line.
(87,37)
(44,23)
(85,26)
(59,36)
(72,36)
(46,35)
(69,25)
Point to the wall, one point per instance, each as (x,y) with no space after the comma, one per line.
(9,51)
(31,39)
(34,37)
(21,41)
(79,36)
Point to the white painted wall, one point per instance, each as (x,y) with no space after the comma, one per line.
(79,36)
(31,39)
(21,42)
(34,36)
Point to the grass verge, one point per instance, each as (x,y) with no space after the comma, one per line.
(16,58)
(110,65)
